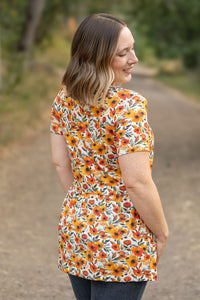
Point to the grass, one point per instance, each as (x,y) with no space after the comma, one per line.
(25,107)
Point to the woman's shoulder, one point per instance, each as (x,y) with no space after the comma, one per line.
(126,97)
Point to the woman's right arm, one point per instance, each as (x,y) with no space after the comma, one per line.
(143,193)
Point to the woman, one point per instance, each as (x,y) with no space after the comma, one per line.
(112,229)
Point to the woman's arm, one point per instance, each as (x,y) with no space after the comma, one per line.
(61,160)
(143,193)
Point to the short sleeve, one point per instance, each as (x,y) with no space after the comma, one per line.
(132,129)
(57,113)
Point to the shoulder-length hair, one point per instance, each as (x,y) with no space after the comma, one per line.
(89,73)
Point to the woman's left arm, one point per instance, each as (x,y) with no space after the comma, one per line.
(61,161)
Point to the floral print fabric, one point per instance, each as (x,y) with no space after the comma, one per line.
(101,235)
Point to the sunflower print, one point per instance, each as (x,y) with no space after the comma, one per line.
(101,235)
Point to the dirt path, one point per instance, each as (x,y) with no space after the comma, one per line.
(31,197)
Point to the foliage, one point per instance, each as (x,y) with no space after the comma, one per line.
(171,27)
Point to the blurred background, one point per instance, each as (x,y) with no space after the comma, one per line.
(35,37)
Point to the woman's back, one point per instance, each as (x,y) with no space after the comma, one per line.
(95,223)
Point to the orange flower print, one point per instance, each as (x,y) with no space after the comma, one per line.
(97,210)
(135,214)
(146,257)
(97,125)
(91,180)
(153,264)
(116,210)
(110,129)
(101,234)
(104,218)
(103,272)
(127,278)
(100,245)
(131,150)
(96,111)
(85,273)
(137,251)
(122,218)
(88,256)
(115,247)
(147,274)
(69,117)
(108,139)
(73,154)
(119,108)
(81,248)
(123,122)
(82,111)
(79,263)
(120,133)
(137,235)
(138,130)
(102,255)
(69,246)
(117,198)
(63,237)
(81,126)
(123,94)
(110,228)
(73,257)
(85,170)
(93,268)
(101,149)
(88,135)
(131,224)
(55,128)
(70,103)
(78,228)
(84,236)
(72,141)
(122,231)
(144,248)
(132,261)
(93,230)
(155,277)
(141,113)
(138,272)
(122,254)
(137,99)
(77,240)
(136,117)
(127,242)
(116,271)
(94,145)
(92,246)
(109,265)
(91,219)
(113,102)
(124,142)
(115,234)
(102,162)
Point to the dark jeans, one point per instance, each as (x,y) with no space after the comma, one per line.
(85,289)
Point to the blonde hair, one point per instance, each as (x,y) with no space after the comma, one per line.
(89,73)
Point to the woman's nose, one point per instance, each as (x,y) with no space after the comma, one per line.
(132,59)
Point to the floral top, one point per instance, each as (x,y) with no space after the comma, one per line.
(101,235)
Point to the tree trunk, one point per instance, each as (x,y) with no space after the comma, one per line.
(34,12)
